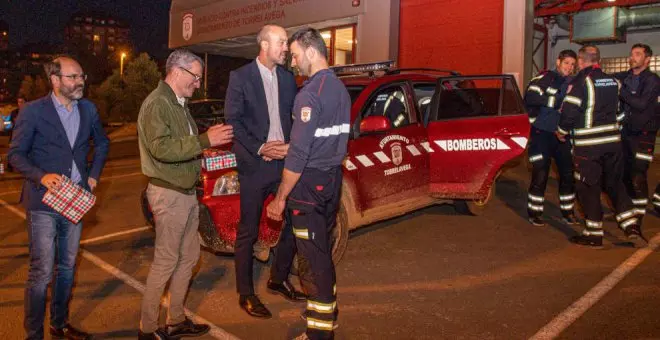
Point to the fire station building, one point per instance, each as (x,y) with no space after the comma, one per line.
(471,36)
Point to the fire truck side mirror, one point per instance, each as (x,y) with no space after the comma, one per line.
(374,124)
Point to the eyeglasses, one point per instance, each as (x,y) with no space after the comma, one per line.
(197,78)
(74,77)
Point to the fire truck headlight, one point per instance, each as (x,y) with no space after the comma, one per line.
(227,184)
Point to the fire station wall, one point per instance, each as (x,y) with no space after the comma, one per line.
(464,35)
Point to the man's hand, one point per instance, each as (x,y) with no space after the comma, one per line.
(52,182)
(220,134)
(275,209)
(92,183)
(274,150)
(562,138)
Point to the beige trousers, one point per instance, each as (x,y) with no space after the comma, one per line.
(176,253)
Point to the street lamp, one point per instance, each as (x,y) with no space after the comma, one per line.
(121,64)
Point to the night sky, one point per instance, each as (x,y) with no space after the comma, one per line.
(38,21)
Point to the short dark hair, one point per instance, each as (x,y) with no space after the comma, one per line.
(567,54)
(309,37)
(590,53)
(648,52)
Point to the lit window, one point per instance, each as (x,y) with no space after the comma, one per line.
(97,37)
(4,33)
(343,49)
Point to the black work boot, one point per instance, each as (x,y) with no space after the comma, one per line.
(536,221)
(570,219)
(634,234)
(588,240)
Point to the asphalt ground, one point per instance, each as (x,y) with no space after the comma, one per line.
(432,274)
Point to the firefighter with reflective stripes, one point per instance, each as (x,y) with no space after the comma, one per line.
(543,98)
(312,177)
(589,113)
(640,93)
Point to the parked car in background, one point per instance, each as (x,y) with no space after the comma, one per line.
(207,112)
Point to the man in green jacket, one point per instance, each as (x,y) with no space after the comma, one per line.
(170,147)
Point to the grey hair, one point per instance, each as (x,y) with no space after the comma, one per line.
(181,58)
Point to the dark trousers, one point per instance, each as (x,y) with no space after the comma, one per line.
(49,234)
(656,198)
(597,172)
(255,188)
(313,206)
(543,147)
(638,148)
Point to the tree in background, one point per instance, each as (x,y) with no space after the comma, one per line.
(120,99)
(33,88)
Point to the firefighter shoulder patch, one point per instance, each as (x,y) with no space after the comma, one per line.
(305,114)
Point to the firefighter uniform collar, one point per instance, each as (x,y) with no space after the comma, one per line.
(317,74)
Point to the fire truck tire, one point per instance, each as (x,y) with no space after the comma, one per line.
(339,240)
(476,207)
(146,209)
(208,234)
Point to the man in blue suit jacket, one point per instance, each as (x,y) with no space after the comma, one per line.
(52,140)
(258,106)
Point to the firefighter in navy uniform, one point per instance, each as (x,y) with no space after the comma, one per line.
(640,90)
(589,113)
(312,177)
(543,98)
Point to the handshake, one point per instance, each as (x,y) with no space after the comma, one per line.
(220,134)
(273,150)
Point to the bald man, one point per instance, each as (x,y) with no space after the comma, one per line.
(51,140)
(258,106)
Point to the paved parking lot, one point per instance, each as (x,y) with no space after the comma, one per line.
(432,274)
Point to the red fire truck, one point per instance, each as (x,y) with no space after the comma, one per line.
(418,137)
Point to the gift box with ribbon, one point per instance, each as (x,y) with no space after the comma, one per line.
(218,159)
(70,200)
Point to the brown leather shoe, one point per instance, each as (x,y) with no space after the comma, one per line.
(253,306)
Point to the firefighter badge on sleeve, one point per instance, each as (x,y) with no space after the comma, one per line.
(306,114)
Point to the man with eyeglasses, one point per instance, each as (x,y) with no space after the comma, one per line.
(170,147)
(51,140)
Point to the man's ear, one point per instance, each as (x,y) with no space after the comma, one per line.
(310,53)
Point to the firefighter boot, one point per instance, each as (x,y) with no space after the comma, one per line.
(588,240)
(570,219)
(634,234)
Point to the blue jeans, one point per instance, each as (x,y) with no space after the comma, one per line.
(49,234)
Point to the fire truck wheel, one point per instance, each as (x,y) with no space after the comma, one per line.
(146,209)
(208,235)
(476,207)
(339,240)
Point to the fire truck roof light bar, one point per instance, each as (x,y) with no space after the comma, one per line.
(361,68)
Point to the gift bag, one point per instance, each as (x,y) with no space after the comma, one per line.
(71,200)
(218,159)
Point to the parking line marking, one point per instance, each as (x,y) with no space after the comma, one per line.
(579,307)
(16,211)
(122,176)
(120,233)
(215,331)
